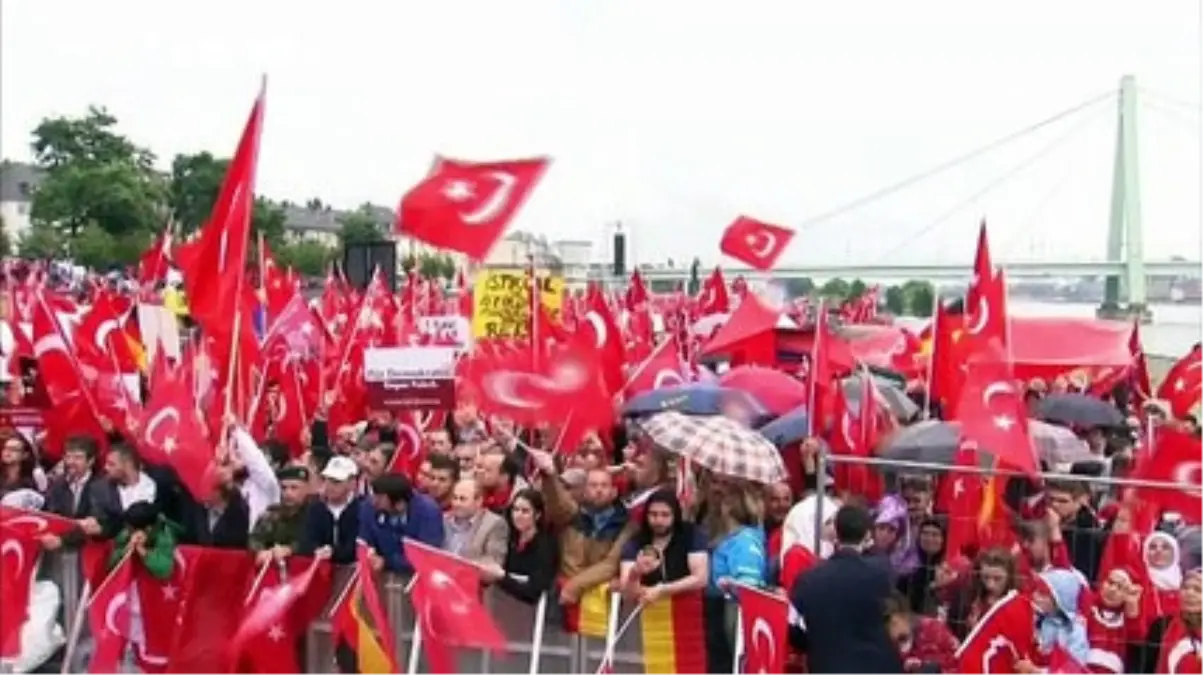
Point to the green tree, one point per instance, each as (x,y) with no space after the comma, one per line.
(835,289)
(360,226)
(93,247)
(6,244)
(268,219)
(430,266)
(408,262)
(41,241)
(896,301)
(307,257)
(92,174)
(798,287)
(196,180)
(920,297)
(856,289)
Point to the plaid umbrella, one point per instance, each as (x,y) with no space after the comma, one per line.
(718,443)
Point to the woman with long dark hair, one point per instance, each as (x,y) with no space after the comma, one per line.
(532,556)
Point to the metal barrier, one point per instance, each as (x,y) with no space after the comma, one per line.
(536,641)
(1128,553)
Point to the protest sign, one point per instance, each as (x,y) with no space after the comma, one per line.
(501,302)
(410,378)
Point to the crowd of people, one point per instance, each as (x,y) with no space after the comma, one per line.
(876,590)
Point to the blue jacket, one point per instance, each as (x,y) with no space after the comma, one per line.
(322,529)
(741,557)
(422,521)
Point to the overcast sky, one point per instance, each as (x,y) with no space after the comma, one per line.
(671,116)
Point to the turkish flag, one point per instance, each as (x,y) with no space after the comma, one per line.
(754,242)
(534,386)
(214,263)
(1174,459)
(1183,384)
(977,514)
(281,606)
(446,598)
(663,368)
(210,608)
(466,206)
(992,411)
(109,618)
(18,562)
(764,619)
(1003,636)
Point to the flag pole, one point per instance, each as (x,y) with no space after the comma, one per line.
(931,356)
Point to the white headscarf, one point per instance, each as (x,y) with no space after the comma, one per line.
(799,526)
(1168,578)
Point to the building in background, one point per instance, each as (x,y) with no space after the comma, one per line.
(17,184)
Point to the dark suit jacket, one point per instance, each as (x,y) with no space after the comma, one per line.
(232,529)
(61,501)
(171,497)
(842,602)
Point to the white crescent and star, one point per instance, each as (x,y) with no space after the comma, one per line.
(39,523)
(497,201)
(982,318)
(761,628)
(14,548)
(996,389)
(411,434)
(1189,473)
(158,418)
(600,333)
(101,339)
(501,385)
(49,343)
(770,243)
(110,613)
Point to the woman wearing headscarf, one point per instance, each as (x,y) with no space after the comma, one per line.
(892,535)
(918,586)
(1173,642)
(1162,558)
(798,537)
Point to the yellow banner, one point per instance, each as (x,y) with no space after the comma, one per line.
(501,308)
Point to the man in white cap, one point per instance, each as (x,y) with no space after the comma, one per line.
(332,523)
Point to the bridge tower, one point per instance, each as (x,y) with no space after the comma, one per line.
(1125,238)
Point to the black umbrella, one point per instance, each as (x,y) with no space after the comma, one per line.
(1080,410)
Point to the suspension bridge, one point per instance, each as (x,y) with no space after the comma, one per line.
(1126,269)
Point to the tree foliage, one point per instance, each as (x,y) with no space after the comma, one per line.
(360,226)
(41,240)
(307,257)
(6,244)
(195,182)
(93,177)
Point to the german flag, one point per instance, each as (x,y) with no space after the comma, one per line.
(590,616)
(674,638)
(358,647)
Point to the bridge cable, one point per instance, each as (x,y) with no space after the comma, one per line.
(1173,101)
(948,164)
(1172,115)
(996,182)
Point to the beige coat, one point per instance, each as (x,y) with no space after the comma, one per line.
(487,539)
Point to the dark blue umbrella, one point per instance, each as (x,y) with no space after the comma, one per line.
(691,399)
(789,428)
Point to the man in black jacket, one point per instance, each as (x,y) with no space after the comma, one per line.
(841,605)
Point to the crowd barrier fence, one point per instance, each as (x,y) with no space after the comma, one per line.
(536,641)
